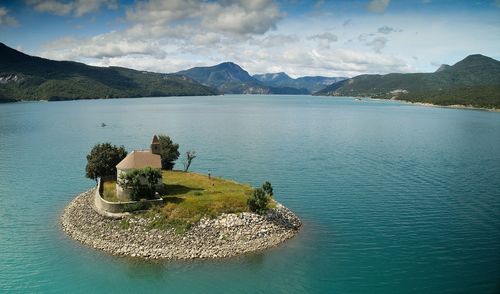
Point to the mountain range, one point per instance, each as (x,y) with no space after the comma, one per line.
(24,77)
(230,78)
(473,81)
(311,83)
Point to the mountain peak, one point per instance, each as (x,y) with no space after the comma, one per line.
(476,60)
(228,65)
(443,67)
(220,74)
(477,57)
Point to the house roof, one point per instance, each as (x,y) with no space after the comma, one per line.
(155,140)
(140,159)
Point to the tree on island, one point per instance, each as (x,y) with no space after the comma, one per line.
(169,152)
(268,189)
(260,198)
(141,182)
(102,160)
(190,155)
(258,201)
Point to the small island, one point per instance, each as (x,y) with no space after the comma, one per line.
(142,208)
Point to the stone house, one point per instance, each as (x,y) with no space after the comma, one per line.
(138,159)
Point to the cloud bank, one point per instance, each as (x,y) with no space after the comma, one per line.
(5,18)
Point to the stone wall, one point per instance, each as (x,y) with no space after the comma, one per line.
(119,207)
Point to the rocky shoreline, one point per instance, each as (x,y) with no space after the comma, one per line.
(226,236)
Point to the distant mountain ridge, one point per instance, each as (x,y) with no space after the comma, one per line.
(311,83)
(25,77)
(473,81)
(230,78)
(272,77)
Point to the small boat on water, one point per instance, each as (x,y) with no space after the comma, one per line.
(103,125)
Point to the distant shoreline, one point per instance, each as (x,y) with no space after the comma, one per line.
(426,104)
(454,106)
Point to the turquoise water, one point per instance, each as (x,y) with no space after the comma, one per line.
(394,198)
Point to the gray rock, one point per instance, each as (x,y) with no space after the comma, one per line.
(227,235)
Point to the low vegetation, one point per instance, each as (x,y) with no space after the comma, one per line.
(109,191)
(141,182)
(259,201)
(191,196)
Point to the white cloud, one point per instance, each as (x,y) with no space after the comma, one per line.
(101,46)
(77,8)
(176,26)
(300,61)
(387,30)
(5,18)
(377,44)
(237,16)
(242,17)
(319,4)
(160,12)
(324,36)
(206,39)
(324,39)
(275,40)
(378,6)
(168,36)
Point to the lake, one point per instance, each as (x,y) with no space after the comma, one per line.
(394,198)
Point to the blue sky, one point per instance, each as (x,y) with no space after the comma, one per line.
(331,38)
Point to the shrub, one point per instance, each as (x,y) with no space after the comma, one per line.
(142,182)
(258,202)
(268,189)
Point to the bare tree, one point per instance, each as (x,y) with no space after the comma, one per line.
(190,155)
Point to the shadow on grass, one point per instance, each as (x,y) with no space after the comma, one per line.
(172,190)
(172,199)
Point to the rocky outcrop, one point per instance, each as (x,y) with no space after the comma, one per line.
(225,236)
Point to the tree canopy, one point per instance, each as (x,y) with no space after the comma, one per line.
(169,152)
(268,189)
(102,160)
(258,201)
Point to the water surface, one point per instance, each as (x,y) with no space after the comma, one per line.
(394,198)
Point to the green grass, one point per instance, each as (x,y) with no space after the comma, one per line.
(190,196)
(109,192)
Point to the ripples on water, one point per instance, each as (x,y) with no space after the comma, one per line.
(394,198)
